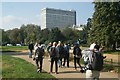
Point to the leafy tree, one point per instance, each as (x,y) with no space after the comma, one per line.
(4,38)
(31,33)
(68,33)
(14,36)
(56,35)
(106,22)
(44,35)
(71,35)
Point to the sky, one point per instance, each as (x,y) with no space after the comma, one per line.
(14,14)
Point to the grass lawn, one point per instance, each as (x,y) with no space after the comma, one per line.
(12,48)
(17,68)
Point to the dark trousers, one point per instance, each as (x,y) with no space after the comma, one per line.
(66,58)
(56,66)
(39,66)
(31,50)
(30,54)
(77,60)
(60,58)
(61,61)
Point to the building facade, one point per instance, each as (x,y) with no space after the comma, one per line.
(57,18)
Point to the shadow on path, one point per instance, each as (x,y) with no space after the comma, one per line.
(63,72)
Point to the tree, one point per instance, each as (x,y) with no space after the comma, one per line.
(105,24)
(44,35)
(31,33)
(15,36)
(56,35)
(4,37)
(71,35)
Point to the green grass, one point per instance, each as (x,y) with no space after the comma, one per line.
(109,67)
(17,68)
(13,48)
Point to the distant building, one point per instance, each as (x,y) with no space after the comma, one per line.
(57,18)
(78,27)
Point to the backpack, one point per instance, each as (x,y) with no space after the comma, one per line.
(53,52)
(66,49)
(48,49)
(97,63)
(39,52)
(78,52)
(61,51)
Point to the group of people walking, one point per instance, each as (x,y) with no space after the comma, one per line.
(59,51)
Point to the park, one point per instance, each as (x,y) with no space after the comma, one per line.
(102,27)
(17,64)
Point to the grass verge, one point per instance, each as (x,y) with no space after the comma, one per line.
(17,68)
(109,67)
(12,48)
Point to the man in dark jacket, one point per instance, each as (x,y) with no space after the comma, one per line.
(77,56)
(30,47)
(66,53)
(54,58)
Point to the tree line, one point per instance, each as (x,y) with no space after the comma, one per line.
(32,33)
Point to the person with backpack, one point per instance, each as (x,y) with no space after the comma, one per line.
(66,57)
(95,64)
(60,48)
(54,58)
(38,56)
(77,56)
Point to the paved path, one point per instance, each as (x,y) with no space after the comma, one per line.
(65,72)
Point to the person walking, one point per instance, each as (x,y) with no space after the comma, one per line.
(54,58)
(87,54)
(60,48)
(77,56)
(30,47)
(95,63)
(66,53)
(49,48)
(38,56)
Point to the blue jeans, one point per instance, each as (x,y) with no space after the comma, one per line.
(30,54)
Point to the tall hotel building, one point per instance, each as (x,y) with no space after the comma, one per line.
(57,18)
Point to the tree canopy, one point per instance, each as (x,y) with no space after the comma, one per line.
(32,33)
(105,24)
